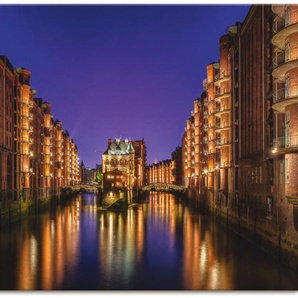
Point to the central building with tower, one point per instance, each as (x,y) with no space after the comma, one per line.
(123,164)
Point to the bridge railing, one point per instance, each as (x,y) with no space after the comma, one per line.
(163,186)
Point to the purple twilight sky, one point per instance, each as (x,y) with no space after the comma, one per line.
(117,70)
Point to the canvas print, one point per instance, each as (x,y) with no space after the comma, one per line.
(148,147)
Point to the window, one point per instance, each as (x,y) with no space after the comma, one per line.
(287,178)
(287,129)
(257,177)
(287,17)
(281,172)
(236,199)
(269,205)
(287,51)
(252,176)
(287,87)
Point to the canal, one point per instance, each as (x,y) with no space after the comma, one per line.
(158,244)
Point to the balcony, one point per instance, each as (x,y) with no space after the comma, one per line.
(220,94)
(221,77)
(211,151)
(279,9)
(284,62)
(226,164)
(221,110)
(222,126)
(285,144)
(282,29)
(284,97)
(222,142)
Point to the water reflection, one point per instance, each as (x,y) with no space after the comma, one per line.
(202,269)
(160,244)
(46,249)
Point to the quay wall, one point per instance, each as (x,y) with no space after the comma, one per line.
(266,233)
(15,205)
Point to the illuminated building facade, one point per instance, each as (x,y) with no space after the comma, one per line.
(33,148)
(284,116)
(183,157)
(189,152)
(212,140)
(177,166)
(83,173)
(161,172)
(123,164)
(240,144)
(9,141)
(140,161)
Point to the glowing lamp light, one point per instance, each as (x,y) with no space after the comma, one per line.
(274,150)
(205,171)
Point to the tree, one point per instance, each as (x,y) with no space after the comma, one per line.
(98,177)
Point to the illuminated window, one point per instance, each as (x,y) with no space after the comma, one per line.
(257,177)
(252,176)
(269,205)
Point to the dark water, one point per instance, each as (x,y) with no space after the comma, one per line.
(160,244)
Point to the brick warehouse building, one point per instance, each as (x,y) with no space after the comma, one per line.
(240,144)
(160,172)
(284,102)
(37,157)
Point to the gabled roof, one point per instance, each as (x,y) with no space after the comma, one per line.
(119,147)
(130,147)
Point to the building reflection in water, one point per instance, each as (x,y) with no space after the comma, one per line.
(203,268)
(50,250)
(160,244)
(121,244)
(45,263)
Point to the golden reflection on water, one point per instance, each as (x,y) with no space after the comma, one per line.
(53,254)
(47,256)
(201,268)
(121,244)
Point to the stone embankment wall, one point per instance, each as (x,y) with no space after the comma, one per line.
(264,232)
(14,205)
